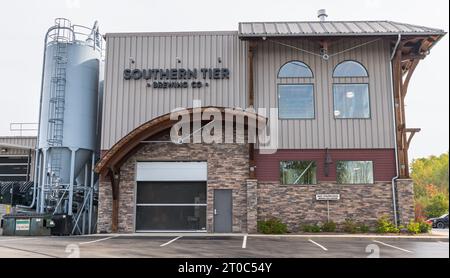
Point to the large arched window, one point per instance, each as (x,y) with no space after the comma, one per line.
(294,69)
(351,91)
(295,91)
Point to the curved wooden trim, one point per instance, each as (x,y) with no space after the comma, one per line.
(114,157)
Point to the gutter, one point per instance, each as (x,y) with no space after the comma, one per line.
(394,179)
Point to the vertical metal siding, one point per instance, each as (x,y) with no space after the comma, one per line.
(129,103)
(324,131)
(26,141)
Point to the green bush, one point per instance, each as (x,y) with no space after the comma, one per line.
(438,205)
(272,226)
(413,227)
(424,227)
(311,228)
(350,226)
(363,228)
(384,225)
(329,226)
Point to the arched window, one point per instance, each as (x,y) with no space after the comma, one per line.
(350,69)
(351,100)
(294,69)
(295,95)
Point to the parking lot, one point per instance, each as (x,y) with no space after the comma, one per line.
(230,246)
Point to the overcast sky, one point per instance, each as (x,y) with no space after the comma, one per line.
(24,23)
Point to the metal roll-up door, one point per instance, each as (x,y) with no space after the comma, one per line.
(171,196)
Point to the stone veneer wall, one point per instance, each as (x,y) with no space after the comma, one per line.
(296,204)
(405,200)
(227,169)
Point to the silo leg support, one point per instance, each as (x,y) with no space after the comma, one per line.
(72,178)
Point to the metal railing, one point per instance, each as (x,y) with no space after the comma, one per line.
(21,127)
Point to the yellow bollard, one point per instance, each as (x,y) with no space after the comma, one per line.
(8,209)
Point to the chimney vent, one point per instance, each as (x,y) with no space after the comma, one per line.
(322,14)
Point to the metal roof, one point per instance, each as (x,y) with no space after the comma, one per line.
(332,28)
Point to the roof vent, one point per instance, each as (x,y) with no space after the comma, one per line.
(322,14)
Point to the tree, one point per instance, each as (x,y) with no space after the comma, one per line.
(431,180)
(438,206)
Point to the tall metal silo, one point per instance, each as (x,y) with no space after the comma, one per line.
(68,123)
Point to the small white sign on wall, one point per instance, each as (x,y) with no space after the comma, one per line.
(328,197)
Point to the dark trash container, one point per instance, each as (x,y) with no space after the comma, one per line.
(27,224)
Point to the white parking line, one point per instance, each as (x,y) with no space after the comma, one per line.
(244,242)
(170,241)
(392,246)
(321,246)
(21,238)
(97,240)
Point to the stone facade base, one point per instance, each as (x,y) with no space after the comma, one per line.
(296,205)
(405,201)
(254,200)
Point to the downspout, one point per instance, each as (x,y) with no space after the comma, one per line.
(394,179)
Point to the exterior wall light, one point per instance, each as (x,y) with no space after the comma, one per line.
(328,162)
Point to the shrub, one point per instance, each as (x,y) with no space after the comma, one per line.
(424,227)
(329,226)
(311,228)
(384,225)
(350,226)
(413,227)
(272,226)
(363,228)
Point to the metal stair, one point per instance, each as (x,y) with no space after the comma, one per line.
(56,108)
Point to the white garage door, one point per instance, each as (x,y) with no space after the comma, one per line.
(171,171)
(171,196)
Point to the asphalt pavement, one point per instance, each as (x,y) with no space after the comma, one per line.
(225,246)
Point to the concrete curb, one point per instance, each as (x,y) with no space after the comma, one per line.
(271,236)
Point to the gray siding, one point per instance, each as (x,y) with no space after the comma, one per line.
(26,141)
(129,103)
(326,131)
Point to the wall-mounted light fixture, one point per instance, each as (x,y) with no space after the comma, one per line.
(3,150)
(178,60)
(132,61)
(328,162)
(219,60)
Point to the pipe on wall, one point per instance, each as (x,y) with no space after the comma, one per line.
(394,179)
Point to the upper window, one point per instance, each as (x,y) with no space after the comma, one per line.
(351,101)
(295,101)
(298,172)
(295,69)
(350,69)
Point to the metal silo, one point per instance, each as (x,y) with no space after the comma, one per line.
(68,122)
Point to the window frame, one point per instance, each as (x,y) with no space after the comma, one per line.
(349,76)
(294,184)
(313,98)
(369,101)
(291,61)
(342,80)
(350,160)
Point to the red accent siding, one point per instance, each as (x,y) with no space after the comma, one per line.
(268,165)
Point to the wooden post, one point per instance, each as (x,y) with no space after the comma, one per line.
(400,90)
